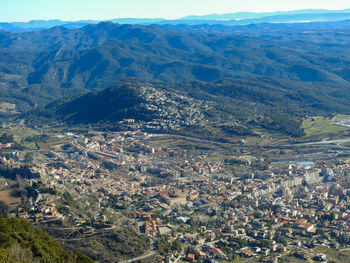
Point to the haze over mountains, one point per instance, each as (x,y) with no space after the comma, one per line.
(305,65)
(239,18)
(216,138)
(36,67)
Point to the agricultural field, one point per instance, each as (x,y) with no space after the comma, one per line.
(8,108)
(322,125)
(6,197)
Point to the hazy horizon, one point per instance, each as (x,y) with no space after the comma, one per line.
(24,11)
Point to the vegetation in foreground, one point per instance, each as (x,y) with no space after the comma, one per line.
(21,242)
(111,245)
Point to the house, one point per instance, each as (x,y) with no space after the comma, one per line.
(38,217)
(164,230)
(320,257)
(211,236)
(307,227)
(271,260)
(23,215)
(301,221)
(217,252)
(200,254)
(190,257)
(302,254)
(129,121)
(245,253)
(266,251)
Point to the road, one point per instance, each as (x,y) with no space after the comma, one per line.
(182,254)
(325,142)
(151,253)
(39,196)
(139,258)
(187,137)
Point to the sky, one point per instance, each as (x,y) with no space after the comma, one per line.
(72,10)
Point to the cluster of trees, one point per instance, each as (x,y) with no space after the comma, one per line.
(234,162)
(12,173)
(21,242)
(112,245)
(195,222)
(4,209)
(36,138)
(164,247)
(6,138)
(68,198)
(28,158)
(237,130)
(283,123)
(240,107)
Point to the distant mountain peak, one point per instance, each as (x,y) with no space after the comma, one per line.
(238,18)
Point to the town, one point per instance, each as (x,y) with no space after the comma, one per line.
(192,207)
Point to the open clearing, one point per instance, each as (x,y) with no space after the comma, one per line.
(8,199)
(322,125)
(43,146)
(340,256)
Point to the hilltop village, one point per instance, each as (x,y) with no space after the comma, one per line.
(193,209)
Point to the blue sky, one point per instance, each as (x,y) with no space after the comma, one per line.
(25,10)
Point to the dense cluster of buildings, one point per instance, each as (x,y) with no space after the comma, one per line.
(173,111)
(215,216)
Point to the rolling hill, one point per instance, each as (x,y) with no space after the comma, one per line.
(39,67)
(229,106)
(21,242)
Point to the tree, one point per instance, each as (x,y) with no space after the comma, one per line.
(176,246)
(68,199)
(304,183)
(285,242)
(6,138)
(81,258)
(242,243)
(28,158)
(20,241)
(63,210)
(4,209)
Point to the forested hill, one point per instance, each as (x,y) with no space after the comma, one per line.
(39,67)
(21,242)
(233,106)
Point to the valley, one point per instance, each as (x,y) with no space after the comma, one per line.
(215,199)
(203,139)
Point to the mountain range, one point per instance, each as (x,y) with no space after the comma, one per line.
(220,109)
(38,67)
(239,18)
(301,69)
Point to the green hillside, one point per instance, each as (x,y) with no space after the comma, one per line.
(21,242)
(226,107)
(39,67)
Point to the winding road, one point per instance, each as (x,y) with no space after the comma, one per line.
(151,253)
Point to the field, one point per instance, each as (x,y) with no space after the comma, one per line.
(332,254)
(43,146)
(8,108)
(8,199)
(322,125)
(337,255)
